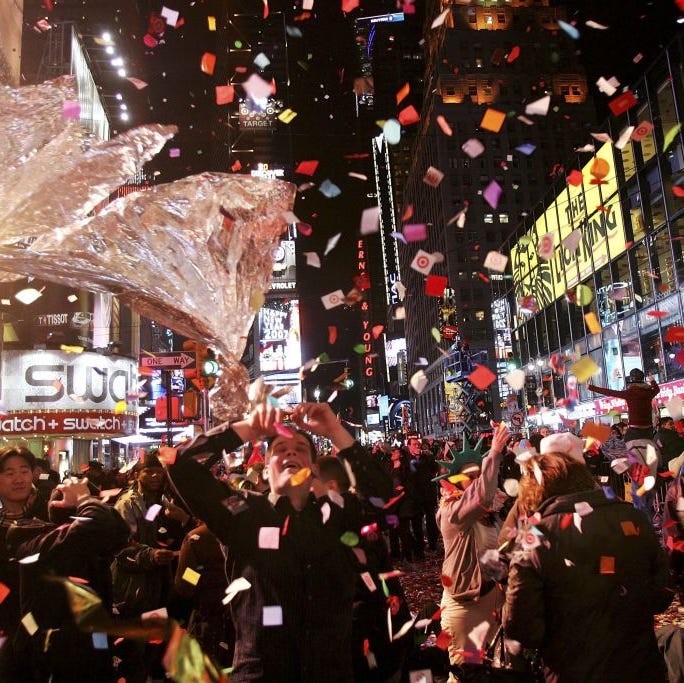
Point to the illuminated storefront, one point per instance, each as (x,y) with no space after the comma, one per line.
(597,271)
(65,405)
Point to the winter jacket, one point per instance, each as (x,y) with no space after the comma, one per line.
(583,587)
(58,651)
(638,398)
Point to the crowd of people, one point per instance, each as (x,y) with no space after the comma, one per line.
(286,564)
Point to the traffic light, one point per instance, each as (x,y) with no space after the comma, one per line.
(192,347)
(208,366)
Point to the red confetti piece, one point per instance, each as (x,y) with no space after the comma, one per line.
(349,5)
(674,334)
(281,430)
(619,105)
(483,277)
(408,212)
(446,581)
(437,615)
(481,377)
(377,331)
(304,229)
(4,592)
(75,579)
(658,314)
(575,178)
(208,63)
(285,526)
(678,191)
(408,116)
(566,521)
(224,94)
(443,640)
(307,167)
(403,92)
(513,54)
(435,285)
(332,334)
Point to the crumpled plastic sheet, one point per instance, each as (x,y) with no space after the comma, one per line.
(193,255)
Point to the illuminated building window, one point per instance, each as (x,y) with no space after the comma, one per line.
(480,315)
(503,218)
(489,218)
(489,20)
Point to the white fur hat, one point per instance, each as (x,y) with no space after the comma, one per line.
(563,443)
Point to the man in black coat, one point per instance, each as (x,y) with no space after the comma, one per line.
(293,617)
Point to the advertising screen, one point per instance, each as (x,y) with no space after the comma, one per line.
(593,208)
(279,336)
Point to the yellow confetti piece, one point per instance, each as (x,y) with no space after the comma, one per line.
(71,349)
(584,295)
(436,334)
(287,115)
(211,23)
(592,321)
(299,478)
(120,407)
(584,368)
(191,576)
(457,478)
(29,623)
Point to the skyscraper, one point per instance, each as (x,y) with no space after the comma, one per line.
(486,64)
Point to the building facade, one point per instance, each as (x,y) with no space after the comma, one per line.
(610,287)
(486,64)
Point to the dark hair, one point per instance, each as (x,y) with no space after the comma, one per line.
(295,432)
(560,474)
(330,467)
(16,452)
(150,460)
(665,420)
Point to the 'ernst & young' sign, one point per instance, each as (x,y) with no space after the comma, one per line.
(58,380)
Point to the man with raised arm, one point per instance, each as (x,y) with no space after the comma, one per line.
(292,605)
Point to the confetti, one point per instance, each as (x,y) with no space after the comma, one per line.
(269,537)
(569,29)
(403,92)
(575,178)
(332,243)
(328,189)
(29,623)
(444,126)
(272,615)
(440,19)
(283,431)
(415,232)
(493,120)
(208,63)
(191,576)
(433,177)
(300,477)
(423,262)
(312,259)
(152,512)
(496,261)
(333,299)
(408,116)
(515,379)
(392,131)
(4,592)
(435,285)
(481,377)
(584,368)
(622,103)
(539,107)
(492,193)
(473,148)
(370,220)
(349,538)
(419,381)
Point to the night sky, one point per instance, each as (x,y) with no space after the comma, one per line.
(326,128)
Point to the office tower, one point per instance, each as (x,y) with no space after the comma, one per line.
(486,64)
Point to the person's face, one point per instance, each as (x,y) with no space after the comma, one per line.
(544,431)
(669,424)
(94,473)
(151,479)
(16,481)
(287,456)
(414,446)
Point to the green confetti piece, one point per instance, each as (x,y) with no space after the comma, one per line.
(359,348)
(323,358)
(436,334)
(349,538)
(385,589)
(670,136)
(584,295)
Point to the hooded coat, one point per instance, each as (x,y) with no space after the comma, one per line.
(585,596)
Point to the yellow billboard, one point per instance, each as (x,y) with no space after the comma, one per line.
(593,209)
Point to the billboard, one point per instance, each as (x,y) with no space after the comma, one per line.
(279,336)
(594,209)
(58,380)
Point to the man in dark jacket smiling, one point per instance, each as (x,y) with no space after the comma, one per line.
(293,621)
